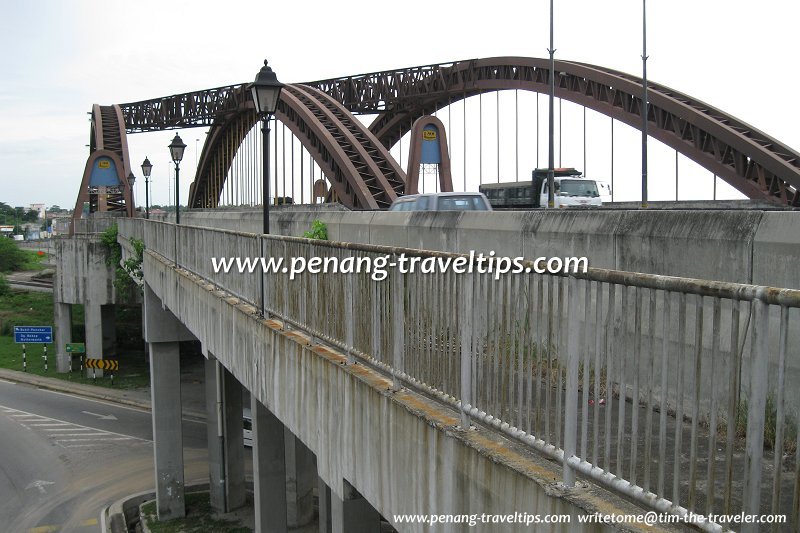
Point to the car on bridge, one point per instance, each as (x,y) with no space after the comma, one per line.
(442,201)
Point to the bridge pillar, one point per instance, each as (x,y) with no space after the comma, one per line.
(62,318)
(108,318)
(165,382)
(225,440)
(93,326)
(301,473)
(324,491)
(215,431)
(163,333)
(269,470)
(352,513)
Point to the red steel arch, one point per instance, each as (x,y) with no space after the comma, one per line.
(757,165)
(359,167)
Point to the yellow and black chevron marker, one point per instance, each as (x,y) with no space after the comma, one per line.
(103,364)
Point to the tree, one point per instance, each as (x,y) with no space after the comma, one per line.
(11,256)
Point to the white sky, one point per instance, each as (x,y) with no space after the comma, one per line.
(59,58)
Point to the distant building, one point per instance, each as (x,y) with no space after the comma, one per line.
(41,208)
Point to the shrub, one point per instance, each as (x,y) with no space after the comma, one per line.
(11,256)
(319,230)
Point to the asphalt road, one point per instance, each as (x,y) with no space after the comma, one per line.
(64,458)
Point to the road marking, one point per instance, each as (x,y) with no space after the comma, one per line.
(49,424)
(39,484)
(110,404)
(6,381)
(100,417)
(93,436)
(84,434)
(55,528)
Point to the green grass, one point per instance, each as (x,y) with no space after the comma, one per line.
(24,308)
(199,518)
(32,261)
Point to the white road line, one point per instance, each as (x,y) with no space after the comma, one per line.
(29,415)
(111,404)
(49,424)
(69,429)
(93,440)
(77,426)
(81,434)
(6,381)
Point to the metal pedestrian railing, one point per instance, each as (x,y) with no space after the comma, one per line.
(674,392)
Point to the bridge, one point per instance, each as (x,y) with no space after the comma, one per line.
(659,379)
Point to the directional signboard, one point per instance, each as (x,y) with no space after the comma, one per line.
(103,364)
(76,347)
(33,334)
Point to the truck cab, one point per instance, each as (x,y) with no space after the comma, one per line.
(570,189)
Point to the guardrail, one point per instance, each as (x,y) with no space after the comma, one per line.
(659,388)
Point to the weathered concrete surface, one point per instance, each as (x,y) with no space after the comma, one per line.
(404,453)
(82,275)
(743,246)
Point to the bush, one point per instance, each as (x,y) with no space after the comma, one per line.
(319,230)
(11,256)
(4,286)
(128,272)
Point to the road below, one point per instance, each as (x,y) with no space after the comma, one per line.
(65,458)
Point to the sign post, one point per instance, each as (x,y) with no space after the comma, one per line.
(75,348)
(33,335)
(103,364)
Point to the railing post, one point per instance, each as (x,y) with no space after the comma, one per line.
(466,346)
(756,404)
(266,252)
(285,281)
(571,400)
(348,316)
(398,327)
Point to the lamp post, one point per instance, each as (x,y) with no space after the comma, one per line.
(266,91)
(176,148)
(131,181)
(550,152)
(147,167)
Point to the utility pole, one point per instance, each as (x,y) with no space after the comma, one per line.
(551,152)
(644,104)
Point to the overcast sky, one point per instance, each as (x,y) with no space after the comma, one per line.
(60,57)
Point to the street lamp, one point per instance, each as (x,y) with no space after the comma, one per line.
(146,168)
(131,181)
(176,148)
(266,93)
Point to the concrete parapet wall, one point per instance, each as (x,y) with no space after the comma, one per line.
(404,453)
(743,246)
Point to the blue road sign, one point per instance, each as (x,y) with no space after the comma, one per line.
(33,334)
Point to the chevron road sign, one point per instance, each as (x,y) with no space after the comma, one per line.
(103,364)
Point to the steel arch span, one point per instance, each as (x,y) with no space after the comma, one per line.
(107,142)
(756,164)
(359,167)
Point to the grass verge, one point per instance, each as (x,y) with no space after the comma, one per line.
(200,518)
(28,308)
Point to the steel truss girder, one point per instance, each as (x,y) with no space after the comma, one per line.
(188,110)
(754,163)
(359,167)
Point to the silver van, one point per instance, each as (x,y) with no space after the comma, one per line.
(442,201)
